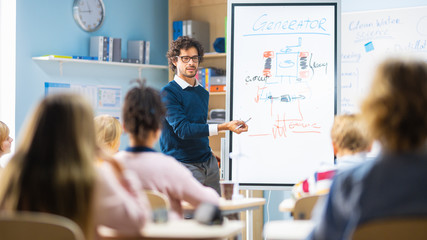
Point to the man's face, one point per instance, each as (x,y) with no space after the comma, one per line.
(187,70)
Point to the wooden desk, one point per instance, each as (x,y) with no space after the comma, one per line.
(177,230)
(288,229)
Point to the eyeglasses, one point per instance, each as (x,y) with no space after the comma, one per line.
(186,59)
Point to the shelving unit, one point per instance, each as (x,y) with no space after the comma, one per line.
(214,12)
(62,61)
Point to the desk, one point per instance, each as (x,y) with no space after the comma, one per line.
(228,207)
(177,230)
(288,229)
(232,206)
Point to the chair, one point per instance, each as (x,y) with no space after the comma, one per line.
(38,226)
(304,206)
(157,199)
(160,205)
(414,228)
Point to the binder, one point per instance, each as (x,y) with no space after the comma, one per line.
(201,76)
(136,50)
(99,47)
(177,29)
(194,29)
(198,30)
(147,52)
(117,49)
(218,80)
(218,88)
(110,49)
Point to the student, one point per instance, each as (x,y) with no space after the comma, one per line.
(5,139)
(351,142)
(5,144)
(53,171)
(143,114)
(108,131)
(185,133)
(394,184)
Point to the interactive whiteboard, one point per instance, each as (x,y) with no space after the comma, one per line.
(368,38)
(282,69)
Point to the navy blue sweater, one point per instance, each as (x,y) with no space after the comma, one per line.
(185,131)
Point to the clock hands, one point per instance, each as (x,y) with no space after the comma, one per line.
(88,6)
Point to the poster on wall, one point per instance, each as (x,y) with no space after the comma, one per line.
(104,99)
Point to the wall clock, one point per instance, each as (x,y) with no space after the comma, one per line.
(89,14)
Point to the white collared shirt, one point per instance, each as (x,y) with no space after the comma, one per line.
(213,128)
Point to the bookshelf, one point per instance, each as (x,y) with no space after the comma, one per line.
(62,61)
(214,12)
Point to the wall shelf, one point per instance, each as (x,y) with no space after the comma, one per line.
(62,61)
(214,55)
(217,93)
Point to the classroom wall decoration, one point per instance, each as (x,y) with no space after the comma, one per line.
(282,67)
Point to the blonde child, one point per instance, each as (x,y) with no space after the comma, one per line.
(351,142)
(108,131)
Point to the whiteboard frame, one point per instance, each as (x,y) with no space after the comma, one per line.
(230,56)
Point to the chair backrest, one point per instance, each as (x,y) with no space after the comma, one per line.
(157,199)
(304,206)
(38,226)
(160,205)
(414,228)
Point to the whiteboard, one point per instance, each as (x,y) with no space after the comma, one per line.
(282,66)
(368,38)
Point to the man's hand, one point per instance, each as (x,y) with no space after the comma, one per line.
(237,126)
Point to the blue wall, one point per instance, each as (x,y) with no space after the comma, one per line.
(47,27)
(275,197)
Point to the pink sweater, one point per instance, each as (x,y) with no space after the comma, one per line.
(117,208)
(162,173)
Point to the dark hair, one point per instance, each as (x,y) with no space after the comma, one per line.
(185,43)
(143,111)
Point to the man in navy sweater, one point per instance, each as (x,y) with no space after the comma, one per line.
(185,131)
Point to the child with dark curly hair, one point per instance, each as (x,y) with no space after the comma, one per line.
(143,114)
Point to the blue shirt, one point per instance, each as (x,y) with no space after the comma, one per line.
(389,186)
(185,130)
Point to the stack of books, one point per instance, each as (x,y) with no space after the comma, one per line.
(212,79)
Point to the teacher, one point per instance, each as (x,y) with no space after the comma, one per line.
(185,131)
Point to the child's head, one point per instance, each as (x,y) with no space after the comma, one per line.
(143,112)
(53,168)
(395,107)
(349,136)
(5,140)
(108,132)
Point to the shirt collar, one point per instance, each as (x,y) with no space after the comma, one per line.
(183,84)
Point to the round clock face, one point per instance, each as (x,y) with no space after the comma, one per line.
(89,14)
